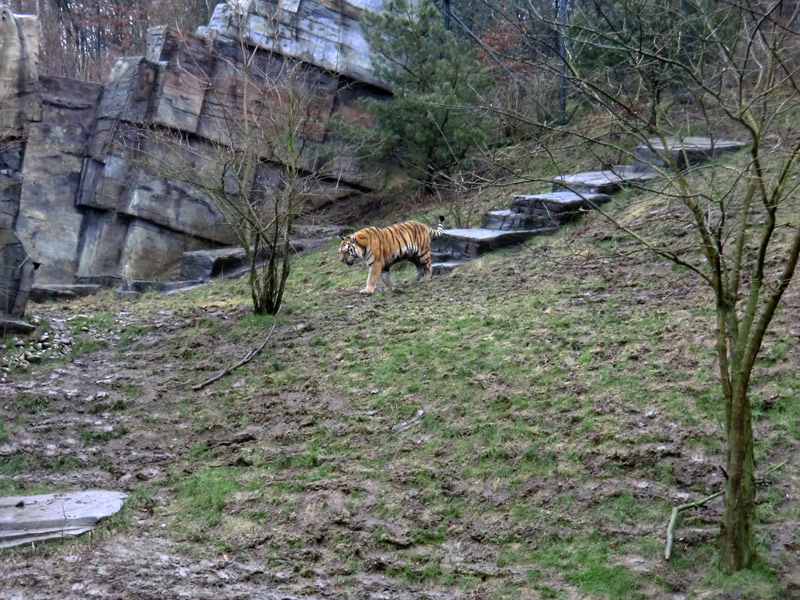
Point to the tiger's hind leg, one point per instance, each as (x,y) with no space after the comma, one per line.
(385,279)
(424,268)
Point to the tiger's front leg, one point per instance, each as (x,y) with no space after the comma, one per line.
(372,278)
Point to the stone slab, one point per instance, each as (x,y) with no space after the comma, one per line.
(42,293)
(467,244)
(26,519)
(510,220)
(604,182)
(9,324)
(141,286)
(555,208)
(685,152)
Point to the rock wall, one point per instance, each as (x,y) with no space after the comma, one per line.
(86,171)
(20,104)
(324,33)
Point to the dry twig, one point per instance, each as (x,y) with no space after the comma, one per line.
(246,359)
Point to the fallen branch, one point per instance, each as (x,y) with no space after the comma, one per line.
(674,518)
(247,358)
(678,509)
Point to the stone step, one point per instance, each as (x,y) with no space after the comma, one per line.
(232,262)
(686,151)
(447,266)
(604,182)
(12,324)
(509,219)
(556,207)
(439,257)
(467,244)
(42,293)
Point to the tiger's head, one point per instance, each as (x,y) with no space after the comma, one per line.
(350,251)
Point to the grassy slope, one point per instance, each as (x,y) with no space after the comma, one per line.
(519,429)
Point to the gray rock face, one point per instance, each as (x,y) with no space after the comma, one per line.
(322,33)
(19,56)
(87,189)
(19,104)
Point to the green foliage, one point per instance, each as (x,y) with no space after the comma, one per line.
(633,43)
(433,123)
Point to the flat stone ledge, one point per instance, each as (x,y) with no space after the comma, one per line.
(162,287)
(41,293)
(467,244)
(26,519)
(604,182)
(9,324)
(510,220)
(685,152)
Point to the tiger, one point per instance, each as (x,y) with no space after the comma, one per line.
(384,246)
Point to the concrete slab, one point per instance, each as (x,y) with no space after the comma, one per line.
(26,519)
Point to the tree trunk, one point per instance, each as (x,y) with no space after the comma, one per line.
(738,544)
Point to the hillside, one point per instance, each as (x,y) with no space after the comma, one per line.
(521,428)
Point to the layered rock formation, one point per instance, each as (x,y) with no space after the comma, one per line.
(20,104)
(87,172)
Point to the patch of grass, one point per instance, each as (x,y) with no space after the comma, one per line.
(203,495)
(100,322)
(4,435)
(139,499)
(84,344)
(64,463)
(131,333)
(14,463)
(91,438)
(757,582)
(597,579)
(31,403)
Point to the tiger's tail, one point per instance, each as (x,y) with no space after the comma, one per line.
(439,228)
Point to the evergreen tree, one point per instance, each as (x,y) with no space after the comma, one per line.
(434,122)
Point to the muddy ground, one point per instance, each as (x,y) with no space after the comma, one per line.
(111,406)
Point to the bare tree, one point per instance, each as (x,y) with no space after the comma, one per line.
(82,38)
(265,160)
(659,72)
